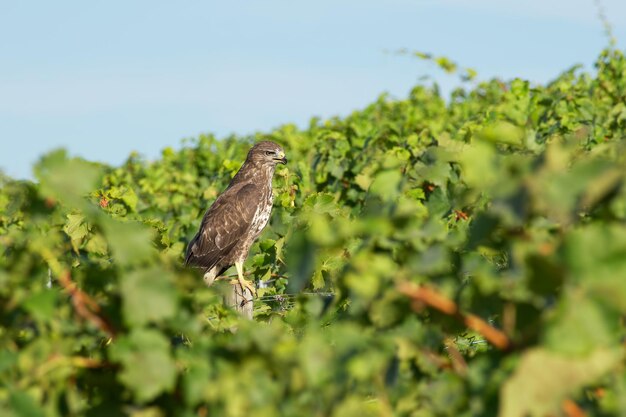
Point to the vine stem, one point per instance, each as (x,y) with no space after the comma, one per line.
(608,29)
(85,306)
(572,409)
(422,295)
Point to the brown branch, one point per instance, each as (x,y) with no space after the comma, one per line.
(458,362)
(572,409)
(85,306)
(423,295)
(436,360)
(80,362)
(56,361)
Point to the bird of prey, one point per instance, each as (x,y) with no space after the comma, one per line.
(237,217)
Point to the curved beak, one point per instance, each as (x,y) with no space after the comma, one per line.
(281,158)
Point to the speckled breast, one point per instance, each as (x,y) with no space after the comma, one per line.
(262,216)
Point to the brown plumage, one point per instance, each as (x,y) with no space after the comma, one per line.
(237,217)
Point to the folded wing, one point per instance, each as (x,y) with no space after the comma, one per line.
(227,223)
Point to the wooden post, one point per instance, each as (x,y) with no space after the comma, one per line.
(240,299)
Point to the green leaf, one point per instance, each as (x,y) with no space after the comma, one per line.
(42,304)
(148,296)
(318,279)
(386,184)
(543,379)
(502,132)
(130,242)
(595,257)
(148,368)
(76,228)
(364,181)
(127,195)
(478,164)
(445,64)
(24,405)
(581,326)
(67,179)
(97,245)
(7,360)
(321,203)
(300,260)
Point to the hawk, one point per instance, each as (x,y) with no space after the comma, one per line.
(237,217)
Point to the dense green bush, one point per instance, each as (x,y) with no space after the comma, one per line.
(426,257)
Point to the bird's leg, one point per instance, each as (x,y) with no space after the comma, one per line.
(242,280)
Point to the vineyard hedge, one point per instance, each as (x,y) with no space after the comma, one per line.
(457,256)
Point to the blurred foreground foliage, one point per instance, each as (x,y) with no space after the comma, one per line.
(507,202)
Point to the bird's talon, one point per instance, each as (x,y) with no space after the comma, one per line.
(248,285)
(252,290)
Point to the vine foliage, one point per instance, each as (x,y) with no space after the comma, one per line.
(426,257)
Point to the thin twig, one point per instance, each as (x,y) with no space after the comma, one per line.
(572,409)
(283,297)
(85,306)
(458,362)
(608,29)
(430,297)
(248,273)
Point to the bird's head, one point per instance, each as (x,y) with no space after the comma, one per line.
(267,152)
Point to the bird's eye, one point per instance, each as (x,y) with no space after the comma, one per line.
(268,153)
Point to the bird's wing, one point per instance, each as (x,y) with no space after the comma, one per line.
(225,223)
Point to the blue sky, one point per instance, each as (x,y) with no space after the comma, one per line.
(106,78)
